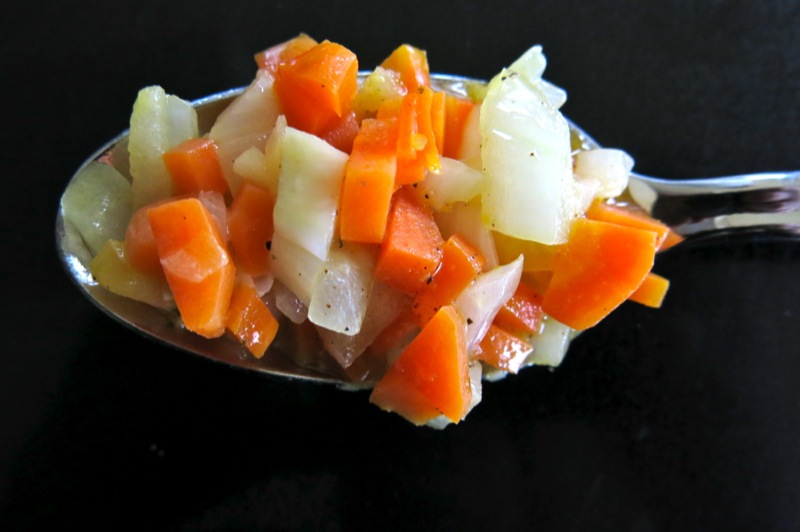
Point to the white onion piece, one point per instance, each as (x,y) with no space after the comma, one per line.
(607,168)
(341,291)
(480,302)
(465,219)
(384,305)
(289,304)
(263,284)
(455,181)
(530,192)
(295,267)
(550,346)
(246,122)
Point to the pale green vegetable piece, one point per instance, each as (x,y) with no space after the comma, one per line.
(98,204)
(159,121)
(112,271)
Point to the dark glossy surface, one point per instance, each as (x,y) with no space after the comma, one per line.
(685,418)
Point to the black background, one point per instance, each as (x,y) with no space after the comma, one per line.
(685,418)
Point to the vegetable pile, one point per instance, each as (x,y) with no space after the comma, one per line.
(432,234)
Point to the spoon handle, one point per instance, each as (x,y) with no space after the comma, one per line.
(739,203)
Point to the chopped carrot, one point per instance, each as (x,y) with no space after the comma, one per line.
(342,135)
(439,118)
(461,263)
(317,87)
(250,228)
(412,65)
(194,167)
(140,244)
(249,319)
(457,112)
(600,266)
(412,247)
(503,350)
(632,216)
(369,182)
(416,137)
(522,314)
(652,291)
(273,56)
(672,239)
(198,268)
(431,375)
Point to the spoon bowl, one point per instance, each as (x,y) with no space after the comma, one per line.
(698,207)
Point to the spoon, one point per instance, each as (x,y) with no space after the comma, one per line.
(693,208)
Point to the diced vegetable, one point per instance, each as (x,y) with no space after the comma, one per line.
(369,182)
(317,87)
(111,269)
(461,263)
(273,56)
(251,228)
(196,263)
(309,186)
(431,376)
(247,122)
(601,265)
(412,248)
(342,291)
(530,190)
(412,65)
(652,291)
(249,319)
(194,167)
(484,298)
(98,204)
(159,122)
(141,251)
(503,350)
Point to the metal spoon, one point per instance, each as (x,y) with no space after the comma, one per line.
(697,207)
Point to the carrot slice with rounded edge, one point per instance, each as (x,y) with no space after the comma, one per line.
(461,263)
(316,88)
(141,251)
(273,56)
(522,314)
(369,182)
(632,216)
(194,167)
(412,65)
(198,268)
(431,375)
(250,228)
(652,291)
(599,267)
(249,319)
(412,247)
(503,350)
